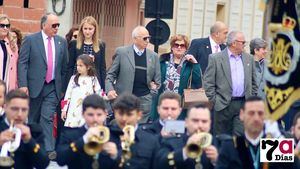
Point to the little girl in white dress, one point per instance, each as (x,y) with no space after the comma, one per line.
(82,84)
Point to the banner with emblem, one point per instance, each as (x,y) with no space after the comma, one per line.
(282,72)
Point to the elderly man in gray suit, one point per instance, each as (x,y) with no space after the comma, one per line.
(41,74)
(230,77)
(136,70)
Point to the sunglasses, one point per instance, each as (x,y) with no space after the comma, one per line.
(55,25)
(146,38)
(4,25)
(75,36)
(176,45)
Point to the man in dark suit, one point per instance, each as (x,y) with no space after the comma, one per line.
(136,70)
(168,109)
(242,152)
(201,48)
(229,78)
(71,150)
(127,113)
(30,153)
(174,152)
(42,68)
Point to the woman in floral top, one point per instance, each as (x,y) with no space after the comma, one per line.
(176,68)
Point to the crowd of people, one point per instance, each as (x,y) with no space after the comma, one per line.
(131,115)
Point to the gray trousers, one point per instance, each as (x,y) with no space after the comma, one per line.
(42,110)
(227,121)
(146,102)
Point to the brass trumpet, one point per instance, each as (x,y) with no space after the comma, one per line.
(127,141)
(10,146)
(195,150)
(95,143)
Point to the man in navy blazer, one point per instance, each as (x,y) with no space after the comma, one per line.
(42,68)
(202,47)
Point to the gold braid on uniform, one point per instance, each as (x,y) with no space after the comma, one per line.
(171,160)
(36,148)
(73,147)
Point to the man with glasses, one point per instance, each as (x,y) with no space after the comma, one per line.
(135,69)
(30,153)
(42,68)
(229,78)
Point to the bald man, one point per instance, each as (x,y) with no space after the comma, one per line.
(135,69)
(202,47)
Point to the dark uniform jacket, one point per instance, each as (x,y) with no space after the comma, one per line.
(171,155)
(235,154)
(70,150)
(153,128)
(143,150)
(32,154)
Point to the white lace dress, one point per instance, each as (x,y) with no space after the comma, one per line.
(74,98)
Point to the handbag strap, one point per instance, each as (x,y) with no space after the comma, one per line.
(94,83)
(191,76)
(190,79)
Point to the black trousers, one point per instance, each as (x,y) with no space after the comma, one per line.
(227,121)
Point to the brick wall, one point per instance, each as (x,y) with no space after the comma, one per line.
(25,19)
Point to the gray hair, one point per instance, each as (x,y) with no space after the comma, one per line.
(136,30)
(257,43)
(232,37)
(45,17)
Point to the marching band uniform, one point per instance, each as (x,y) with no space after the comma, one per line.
(240,153)
(143,150)
(70,150)
(32,154)
(171,155)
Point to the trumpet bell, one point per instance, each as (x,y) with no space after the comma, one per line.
(95,143)
(6,161)
(195,150)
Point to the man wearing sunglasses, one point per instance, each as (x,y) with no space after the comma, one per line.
(229,79)
(135,69)
(41,74)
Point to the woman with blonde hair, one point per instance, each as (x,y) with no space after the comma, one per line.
(8,57)
(88,42)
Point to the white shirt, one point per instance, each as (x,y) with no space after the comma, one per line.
(137,51)
(45,40)
(254,142)
(213,45)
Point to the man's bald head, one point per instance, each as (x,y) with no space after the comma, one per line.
(218,31)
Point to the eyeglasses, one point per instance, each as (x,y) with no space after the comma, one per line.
(75,36)
(146,38)
(18,109)
(4,25)
(243,42)
(55,25)
(176,45)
